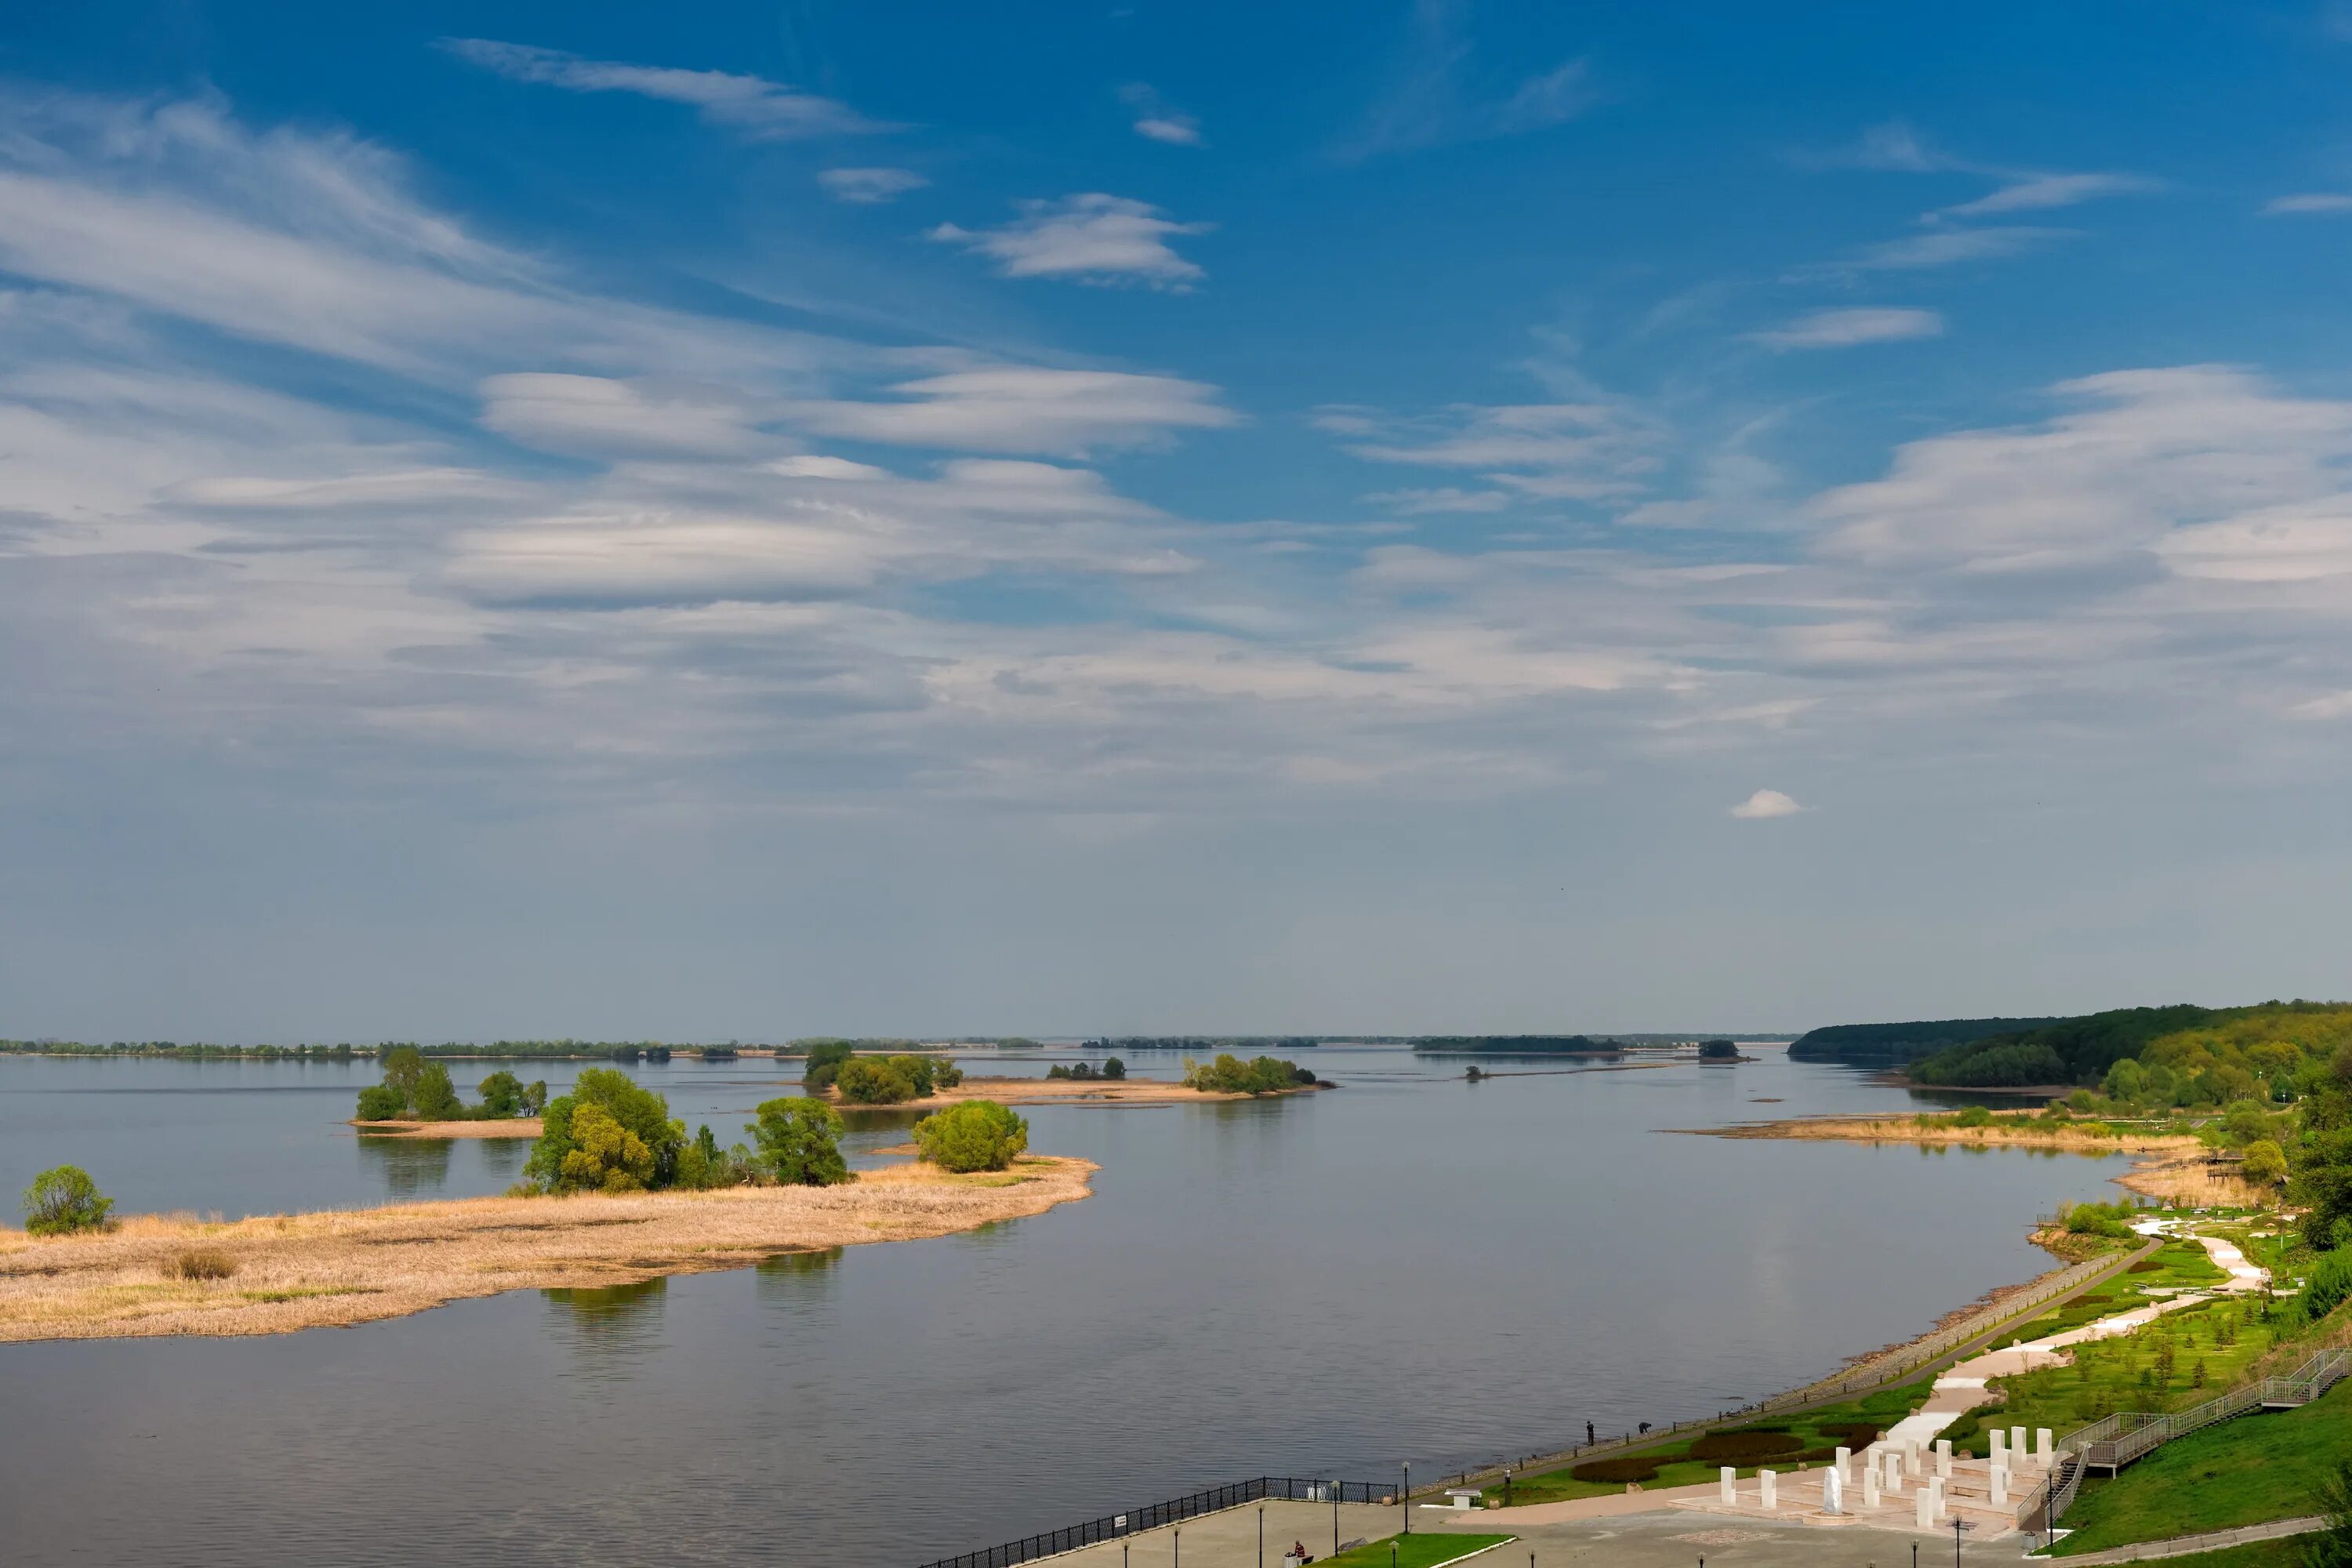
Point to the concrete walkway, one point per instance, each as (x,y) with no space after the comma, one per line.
(1229,1539)
(1669,1539)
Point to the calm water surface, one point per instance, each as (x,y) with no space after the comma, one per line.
(1411,1267)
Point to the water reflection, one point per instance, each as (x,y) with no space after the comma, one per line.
(406,1166)
(798,1280)
(609,1328)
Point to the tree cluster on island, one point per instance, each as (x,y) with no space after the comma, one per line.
(1228,1074)
(1518,1045)
(1112,1069)
(874,1080)
(1257,1043)
(416,1089)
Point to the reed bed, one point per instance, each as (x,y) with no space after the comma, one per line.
(278,1273)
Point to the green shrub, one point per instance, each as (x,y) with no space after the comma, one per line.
(64,1200)
(1114,1067)
(501,1095)
(1974,1116)
(946,1074)
(1748,1444)
(1856,1433)
(2266,1162)
(866,1080)
(2330,1283)
(1231,1075)
(978,1135)
(204,1264)
(1612,1472)
(920,1071)
(380,1102)
(799,1139)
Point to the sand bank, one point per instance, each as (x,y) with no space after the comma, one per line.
(1075,1091)
(500,1127)
(275,1274)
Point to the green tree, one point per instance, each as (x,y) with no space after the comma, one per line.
(639,1112)
(606,1156)
(2127,1081)
(824,1061)
(978,1135)
(920,1071)
(2266,1162)
(435,1097)
(380,1102)
(534,1098)
(866,1080)
(64,1200)
(2332,1547)
(501,1095)
(798,1139)
(403,1066)
(1114,1067)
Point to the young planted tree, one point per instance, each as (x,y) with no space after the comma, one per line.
(799,1141)
(64,1200)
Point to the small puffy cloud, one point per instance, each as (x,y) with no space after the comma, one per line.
(1765,803)
(1154,119)
(1089,238)
(750,106)
(1845,328)
(869,187)
(2308,203)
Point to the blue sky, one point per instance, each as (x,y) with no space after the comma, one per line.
(750,521)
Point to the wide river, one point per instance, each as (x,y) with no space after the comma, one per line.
(1412,1267)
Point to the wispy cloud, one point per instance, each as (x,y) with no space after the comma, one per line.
(1551,451)
(2041,193)
(1089,238)
(1440,499)
(1942,247)
(1848,328)
(750,105)
(1156,120)
(2308,203)
(869,187)
(1433,104)
(1023,408)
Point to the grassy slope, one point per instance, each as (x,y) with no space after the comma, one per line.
(1414,1550)
(2246,1471)
(1884,1408)
(2286,1552)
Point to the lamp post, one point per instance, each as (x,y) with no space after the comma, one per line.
(1261,1535)
(1179,1546)
(1335,1519)
(1405,1497)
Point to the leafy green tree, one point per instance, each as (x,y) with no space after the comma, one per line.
(639,1112)
(824,1061)
(64,1200)
(799,1141)
(534,1098)
(865,1080)
(2127,1081)
(977,1135)
(435,1097)
(946,1074)
(920,1071)
(2332,1547)
(503,1095)
(1114,1067)
(2266,1162)
(380,1102)
(403,1066)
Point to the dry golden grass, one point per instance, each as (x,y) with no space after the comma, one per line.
(352,1266)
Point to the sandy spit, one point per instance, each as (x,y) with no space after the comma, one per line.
(285,1272)
(2166,1166)
(501,1127)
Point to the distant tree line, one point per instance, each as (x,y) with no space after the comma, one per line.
(1901,1042)
(1228,1074)
(1519,1044)
(1204,1043)
(1112,1069)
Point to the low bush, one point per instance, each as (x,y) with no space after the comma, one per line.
(1748,1444)
(204,1264)
(2145,1266)
(380,1102)
(2330,1283)
(868,1080)
(64,1200)
(1633,1467)
(978,1135)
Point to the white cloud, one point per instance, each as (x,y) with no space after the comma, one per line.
(598,417)
(1441,499)
(869,187)
(809,466)
(1155,120)
(1944,247)
(660,558)
(1552,451)
(1091,238)
(395,488)
(1764,804)
(2308,203)
(1017,408)
(748,105)
(1847,327)
(2041,193)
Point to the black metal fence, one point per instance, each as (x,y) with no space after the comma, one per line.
(1111,1527)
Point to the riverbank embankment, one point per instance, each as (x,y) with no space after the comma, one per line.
(167,1275)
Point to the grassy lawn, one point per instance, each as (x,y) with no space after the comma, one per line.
(2282,1554)
(1812,1431)
(2246,1471)
(1414,1550)
(2181,1359)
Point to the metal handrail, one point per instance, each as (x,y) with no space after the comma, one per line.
(1111,1527)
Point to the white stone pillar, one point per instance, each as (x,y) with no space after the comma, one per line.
(1730,1487)
(1893,1464)
(1844,1457)
(1925,1509)
(1935,1500)
(1944,1458)
(1869,1485)
(2016,1443)
(2001,1486)
(1767,1490)
(2042,1446)
(2000,1450)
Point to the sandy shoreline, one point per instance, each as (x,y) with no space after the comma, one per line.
(500,1127)
(2167,1167)
(334,1268)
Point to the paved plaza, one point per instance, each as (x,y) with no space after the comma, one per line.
(1230,1539)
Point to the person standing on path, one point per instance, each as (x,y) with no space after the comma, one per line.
(1588,1433)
